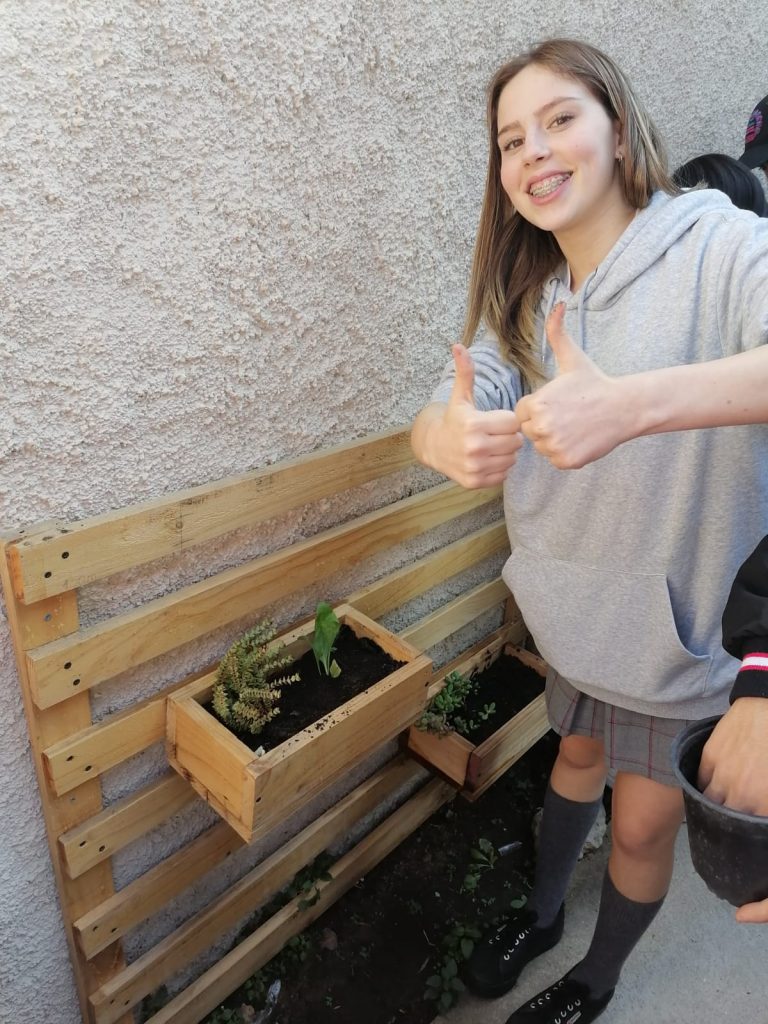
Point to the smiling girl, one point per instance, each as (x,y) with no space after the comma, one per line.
(610,318)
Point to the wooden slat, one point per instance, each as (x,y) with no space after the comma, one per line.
(146,895)
(102,836)
(94,655)
(31,626)
(396,589)
(200,931)
(52,559)
(456,614)
(92,751)
(205,994)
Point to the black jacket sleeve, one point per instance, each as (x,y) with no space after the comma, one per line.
(745,624)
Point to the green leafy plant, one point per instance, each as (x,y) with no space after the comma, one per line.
(467,725)
(482,858)
(438,716)
(445,986)
(225,1015)
(443,713)
(248,685)
(327,628)
(305,884)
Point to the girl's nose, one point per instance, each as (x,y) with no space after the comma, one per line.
(535,147)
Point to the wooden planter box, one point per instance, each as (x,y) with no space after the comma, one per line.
(474,768)
(254,793)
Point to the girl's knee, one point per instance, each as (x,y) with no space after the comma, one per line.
(581,753)
(645,823)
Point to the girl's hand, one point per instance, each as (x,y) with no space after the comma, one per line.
(582,414)
(734,762)
(472,447)
(753,913)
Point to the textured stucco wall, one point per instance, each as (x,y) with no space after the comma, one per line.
(233,232)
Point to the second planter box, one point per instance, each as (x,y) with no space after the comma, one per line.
(474,767)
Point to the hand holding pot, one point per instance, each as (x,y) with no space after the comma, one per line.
(734,763)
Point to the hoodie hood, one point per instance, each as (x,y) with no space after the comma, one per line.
(651,233)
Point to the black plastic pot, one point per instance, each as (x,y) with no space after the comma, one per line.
(729,849)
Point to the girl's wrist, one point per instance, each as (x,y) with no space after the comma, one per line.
(641,403)
(425,433)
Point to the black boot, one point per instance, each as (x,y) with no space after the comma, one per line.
(565,1002)
(502,953)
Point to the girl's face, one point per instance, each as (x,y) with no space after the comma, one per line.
(559,152)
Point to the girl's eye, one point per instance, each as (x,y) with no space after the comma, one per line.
(511,144)
(560,120)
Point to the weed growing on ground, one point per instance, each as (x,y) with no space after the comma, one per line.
(445,986)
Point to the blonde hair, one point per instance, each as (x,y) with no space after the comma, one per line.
(513,259)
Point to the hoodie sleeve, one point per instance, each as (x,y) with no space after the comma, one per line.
(742,282)
(745,624)
(497,384)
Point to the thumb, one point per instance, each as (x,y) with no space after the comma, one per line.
(567,353)
(464,382)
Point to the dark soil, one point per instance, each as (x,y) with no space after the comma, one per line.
(362,664)
(509,685)
(368,958)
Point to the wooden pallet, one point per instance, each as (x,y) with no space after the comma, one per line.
(60,663)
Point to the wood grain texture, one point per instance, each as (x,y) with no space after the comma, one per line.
(52,558)
(73,665)
(31,625)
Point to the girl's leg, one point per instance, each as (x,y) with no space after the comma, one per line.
(571,805)
(570,808)
(646,819)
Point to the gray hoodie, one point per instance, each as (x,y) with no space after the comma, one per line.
(622,569)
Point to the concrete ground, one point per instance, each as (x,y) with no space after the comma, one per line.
(695,965)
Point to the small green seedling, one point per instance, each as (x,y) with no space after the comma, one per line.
(439,714)
(327,628)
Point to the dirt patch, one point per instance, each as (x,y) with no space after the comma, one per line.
(403,931)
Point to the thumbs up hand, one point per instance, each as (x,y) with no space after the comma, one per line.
(472,447)
(580,415)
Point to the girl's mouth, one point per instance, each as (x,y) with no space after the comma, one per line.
(547,187)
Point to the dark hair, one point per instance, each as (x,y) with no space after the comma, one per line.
(716,170)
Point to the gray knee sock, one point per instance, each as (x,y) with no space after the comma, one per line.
(565,824)
(621,923)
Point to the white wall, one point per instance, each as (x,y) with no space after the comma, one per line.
(234,232)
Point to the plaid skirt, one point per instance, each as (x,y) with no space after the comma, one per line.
(633,742)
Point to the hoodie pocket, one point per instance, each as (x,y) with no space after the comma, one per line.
(609,630)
